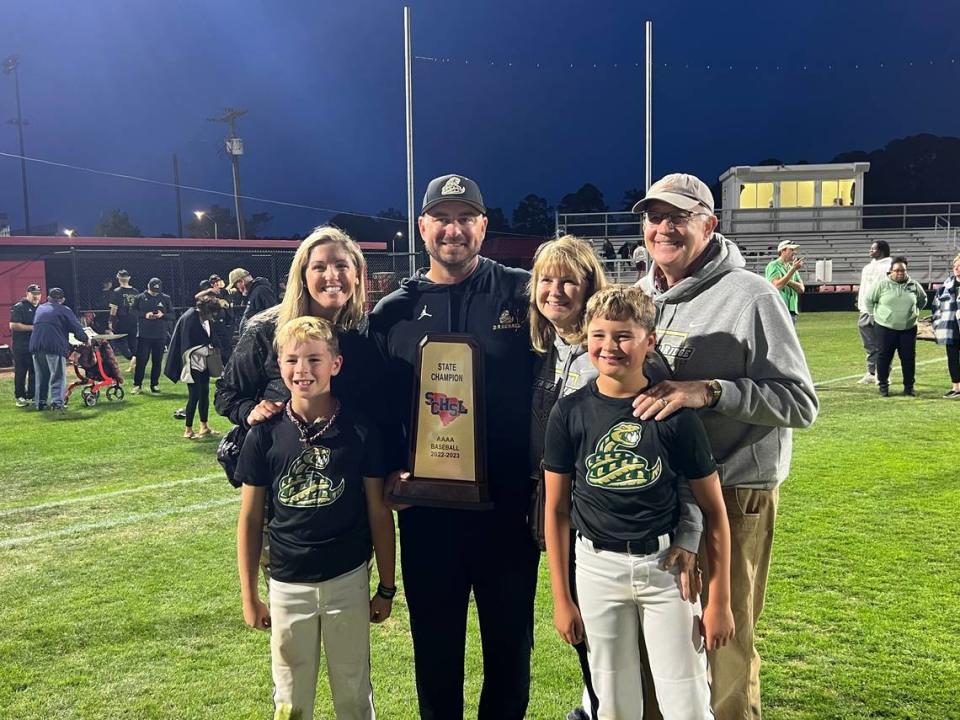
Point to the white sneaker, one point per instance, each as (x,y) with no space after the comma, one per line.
(867,379)
(22,402)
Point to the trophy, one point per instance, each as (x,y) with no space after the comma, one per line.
(447,430)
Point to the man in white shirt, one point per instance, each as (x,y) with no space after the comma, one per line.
(872,273)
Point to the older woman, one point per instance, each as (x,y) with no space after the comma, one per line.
(947,328)
(327,279)
(894,303)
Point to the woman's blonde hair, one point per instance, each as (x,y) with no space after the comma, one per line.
(567,254)
(303,329)
(296,300)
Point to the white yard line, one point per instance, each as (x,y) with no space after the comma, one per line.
(860,375)
(116,522)
(113,493)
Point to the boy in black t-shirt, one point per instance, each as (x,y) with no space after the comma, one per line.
(320,467)
(621,476)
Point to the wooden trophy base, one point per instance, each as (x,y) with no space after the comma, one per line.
(450,494)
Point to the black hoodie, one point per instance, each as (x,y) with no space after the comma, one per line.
(491,305)
(260,296)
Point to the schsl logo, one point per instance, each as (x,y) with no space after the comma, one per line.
(448,408)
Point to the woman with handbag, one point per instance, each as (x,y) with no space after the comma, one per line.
(946,328)
(194,357)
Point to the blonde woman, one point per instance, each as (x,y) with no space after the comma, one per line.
(327,279)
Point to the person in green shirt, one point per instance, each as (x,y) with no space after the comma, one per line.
(895,303)
(784,273)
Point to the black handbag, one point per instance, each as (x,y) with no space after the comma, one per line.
(228,452)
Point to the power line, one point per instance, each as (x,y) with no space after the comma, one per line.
(283,203)
(163,183)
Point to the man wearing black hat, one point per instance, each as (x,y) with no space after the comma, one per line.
(21,325)
(122,319)
(152,309)
(222,328)
(50,345)
(448,553)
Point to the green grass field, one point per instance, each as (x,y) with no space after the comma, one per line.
(120,596)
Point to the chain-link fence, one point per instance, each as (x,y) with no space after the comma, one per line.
(83,272)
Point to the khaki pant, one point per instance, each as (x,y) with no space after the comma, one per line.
(735,669)
(337,612)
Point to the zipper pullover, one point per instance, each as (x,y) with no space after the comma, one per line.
(491,305)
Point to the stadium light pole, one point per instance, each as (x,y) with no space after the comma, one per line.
(201,214)
(10,66)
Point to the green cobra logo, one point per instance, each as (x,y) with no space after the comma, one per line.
(305,485)
(614,466)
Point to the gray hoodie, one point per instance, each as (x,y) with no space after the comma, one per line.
(725,323)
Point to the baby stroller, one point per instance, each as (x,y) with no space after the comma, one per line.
(96,369)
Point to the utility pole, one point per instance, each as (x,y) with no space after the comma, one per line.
(10,66)
(234,147)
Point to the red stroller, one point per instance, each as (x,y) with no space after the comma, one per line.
(96,369)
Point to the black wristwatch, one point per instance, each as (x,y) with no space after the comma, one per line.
(385,592)
(714,390)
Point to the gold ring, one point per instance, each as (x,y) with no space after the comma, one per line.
(663,402)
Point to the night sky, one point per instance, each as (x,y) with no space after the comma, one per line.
(121,86)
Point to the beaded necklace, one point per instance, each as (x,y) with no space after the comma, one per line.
(311,433)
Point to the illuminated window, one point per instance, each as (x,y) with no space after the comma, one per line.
(797,193)
(836,193)
(756,195)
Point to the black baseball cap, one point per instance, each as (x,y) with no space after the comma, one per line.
(214,278)
(455,188)
(56,294)
(155,284)
(122,273)
(33,289)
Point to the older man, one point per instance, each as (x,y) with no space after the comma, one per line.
(784,273)
(448,553)
(258,292)
(50,344)
(734,353)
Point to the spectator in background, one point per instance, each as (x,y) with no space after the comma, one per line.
(946,327)
(153,309)
(784,273)
(894,303)
(192,344)
(21,326)
(640,259)
(123,321)
(257,291)
(223,324)
(50,345)
(872,273)
(609,255)
(102,310)
(625,250)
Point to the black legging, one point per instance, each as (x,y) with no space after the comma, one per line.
(953,362)
(902,342)
(199,396)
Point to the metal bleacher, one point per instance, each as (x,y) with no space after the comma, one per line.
(929,249)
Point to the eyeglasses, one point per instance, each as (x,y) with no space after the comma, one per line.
(675,219)
(444,220)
